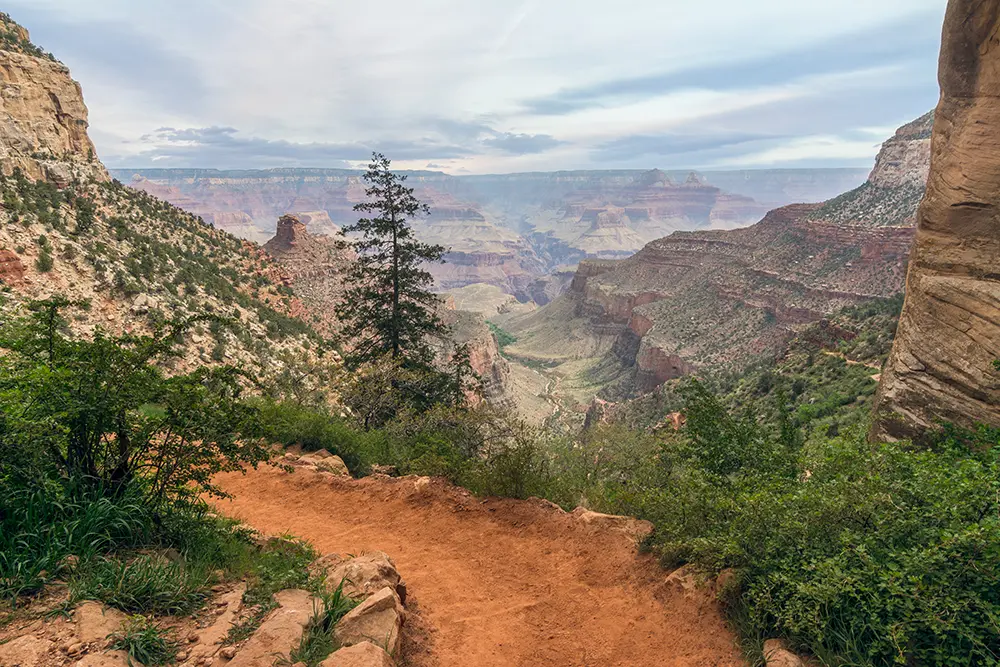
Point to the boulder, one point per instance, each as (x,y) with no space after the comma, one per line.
(377,620)
(636,528)
(776,654)
(94,622)
(364,654)
(26,651)
(685,580)
(366,574)
(280,632)
(325,461)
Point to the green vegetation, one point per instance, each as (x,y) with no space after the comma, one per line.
(145,642)
(13,39)
(504,338)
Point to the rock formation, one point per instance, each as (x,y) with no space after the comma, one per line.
(136,259)
(941,367)
(43,120)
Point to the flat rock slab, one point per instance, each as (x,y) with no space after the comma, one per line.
(94,622)
(25,651)
(377,620)
(280,632)
(636,528)
(364,654)
(109,659)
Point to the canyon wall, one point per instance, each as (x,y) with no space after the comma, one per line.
(942,365)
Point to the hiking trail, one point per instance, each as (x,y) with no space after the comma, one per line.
(495,582)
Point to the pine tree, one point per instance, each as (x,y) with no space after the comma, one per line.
(389,309)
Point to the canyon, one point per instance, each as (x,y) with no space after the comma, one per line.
(720,299)
(509,231)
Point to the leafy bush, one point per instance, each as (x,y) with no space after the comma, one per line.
(872,553)
(103,415)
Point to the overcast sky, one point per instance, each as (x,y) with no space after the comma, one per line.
(494,85)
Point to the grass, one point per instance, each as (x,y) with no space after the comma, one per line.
(145,642)
(317,640)
(145,584)
(282,563)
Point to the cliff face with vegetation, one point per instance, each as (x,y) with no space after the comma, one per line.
(942,364)
(66,228)
(723,298)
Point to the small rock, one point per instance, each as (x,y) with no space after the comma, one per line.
(228,652)
(76,648)
(193,637)
(632,527)
(325,461)
(378,619)
(364,654)
(182,656)
(366,574)
(776,654)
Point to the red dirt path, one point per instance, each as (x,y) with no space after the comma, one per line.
(496,582)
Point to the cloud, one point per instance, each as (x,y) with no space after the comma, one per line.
(914,39)
(522,144)
(493,85)
(226,148)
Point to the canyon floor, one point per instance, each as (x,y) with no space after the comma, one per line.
(496,582)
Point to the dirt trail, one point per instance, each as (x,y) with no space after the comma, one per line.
(496,582)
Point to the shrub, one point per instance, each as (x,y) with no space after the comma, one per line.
(874,554)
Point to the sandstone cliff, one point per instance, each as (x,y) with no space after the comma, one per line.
(43,120)
(505,230)
(941,367)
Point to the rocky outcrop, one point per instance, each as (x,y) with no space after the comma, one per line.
(942,365)
(43,120)
(365,575)
(378,620)
(364,654)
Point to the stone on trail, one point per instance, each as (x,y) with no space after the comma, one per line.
(109,659)
(636,528)
(364,654)
(364,575)
(377,620)
(280,632)
(776,654)
(326,462)
(94,622)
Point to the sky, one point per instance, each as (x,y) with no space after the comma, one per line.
(494,86)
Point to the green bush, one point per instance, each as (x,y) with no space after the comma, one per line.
(873,554)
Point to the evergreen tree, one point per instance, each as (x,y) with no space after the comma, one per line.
(389,309)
